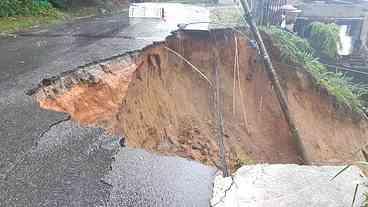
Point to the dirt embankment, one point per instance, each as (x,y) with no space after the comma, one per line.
(162,104)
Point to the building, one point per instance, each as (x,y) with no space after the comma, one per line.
(267,12)
(351,17)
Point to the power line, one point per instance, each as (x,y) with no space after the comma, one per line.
(346,69)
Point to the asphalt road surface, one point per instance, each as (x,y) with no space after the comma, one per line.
(48,160)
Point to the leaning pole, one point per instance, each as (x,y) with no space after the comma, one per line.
(272,75)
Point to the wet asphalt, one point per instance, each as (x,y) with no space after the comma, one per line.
(64,164)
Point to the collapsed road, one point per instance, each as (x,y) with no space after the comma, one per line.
(163,104)
(64,164)
(157,91)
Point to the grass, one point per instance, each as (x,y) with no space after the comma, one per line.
(23,16)
(14,24)
(19,23)
(297,50)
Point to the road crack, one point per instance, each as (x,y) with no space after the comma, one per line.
(225,192)
(53,125)
(24,156)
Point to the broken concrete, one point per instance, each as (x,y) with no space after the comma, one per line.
(288,185)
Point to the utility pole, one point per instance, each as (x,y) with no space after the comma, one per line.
(275,82)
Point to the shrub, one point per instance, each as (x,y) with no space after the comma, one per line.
(324,38)
(295,49)
(9,8)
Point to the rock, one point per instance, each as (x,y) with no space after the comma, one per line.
(122,142)
(196,146)
(204,152)
(288,185)
(4,34)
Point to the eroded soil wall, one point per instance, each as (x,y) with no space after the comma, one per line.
(160,103)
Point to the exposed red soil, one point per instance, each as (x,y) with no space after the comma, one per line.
(161,104)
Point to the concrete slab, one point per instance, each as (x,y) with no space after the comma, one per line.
(288,185)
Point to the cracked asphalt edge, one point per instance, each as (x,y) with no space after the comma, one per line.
(24,156)
(233,183)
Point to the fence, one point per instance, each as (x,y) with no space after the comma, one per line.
(267,12)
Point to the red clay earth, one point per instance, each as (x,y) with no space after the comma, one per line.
(163,105)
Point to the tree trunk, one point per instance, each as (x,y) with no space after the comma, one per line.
(276,83)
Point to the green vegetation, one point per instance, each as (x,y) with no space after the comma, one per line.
(324,38)
(297,50)
(18,15)
(13,24)
(22,14)
(59,3)
(10,8)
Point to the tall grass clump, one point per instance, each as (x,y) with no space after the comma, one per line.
(324,38)
(295,49)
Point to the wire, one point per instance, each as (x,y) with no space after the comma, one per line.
(346,69)
(237,68)
(190,64)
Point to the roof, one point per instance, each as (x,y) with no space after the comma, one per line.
(324,10)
